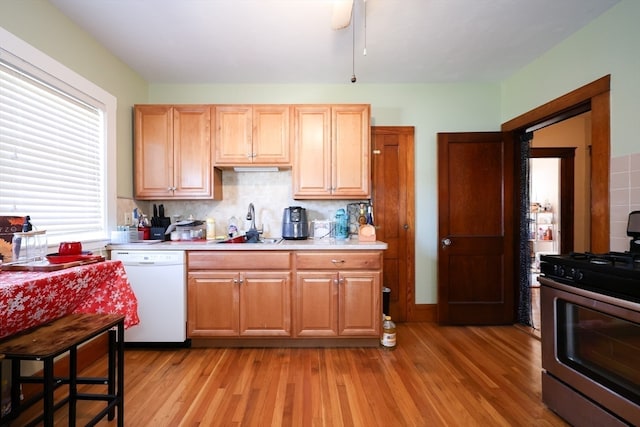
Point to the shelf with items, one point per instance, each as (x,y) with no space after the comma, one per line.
(542,236)
(541,226)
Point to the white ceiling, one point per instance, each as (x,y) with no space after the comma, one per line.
(291,41)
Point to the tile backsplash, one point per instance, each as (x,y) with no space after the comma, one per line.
(270,193)
(624,197)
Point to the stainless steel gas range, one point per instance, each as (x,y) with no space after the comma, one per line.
(590,324)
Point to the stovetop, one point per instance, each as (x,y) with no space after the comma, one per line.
(616,274)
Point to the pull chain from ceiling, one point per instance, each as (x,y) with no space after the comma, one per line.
(353,52)
(364,52)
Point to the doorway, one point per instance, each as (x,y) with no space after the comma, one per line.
(559,195)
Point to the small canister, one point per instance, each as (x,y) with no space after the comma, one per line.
(211,229)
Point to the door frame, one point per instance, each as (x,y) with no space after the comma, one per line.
(596,96)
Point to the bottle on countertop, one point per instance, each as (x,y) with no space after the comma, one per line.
(388,339)
(370,215)
(362,216)
(233,227)
(26,225)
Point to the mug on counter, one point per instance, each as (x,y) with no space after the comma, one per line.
(70,248)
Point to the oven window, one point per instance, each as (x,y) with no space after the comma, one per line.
(600,346)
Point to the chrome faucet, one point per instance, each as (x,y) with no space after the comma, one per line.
(252,235)
(251,216)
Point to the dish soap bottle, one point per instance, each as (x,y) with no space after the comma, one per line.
(388,333)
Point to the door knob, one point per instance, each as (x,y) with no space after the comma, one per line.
(446,242)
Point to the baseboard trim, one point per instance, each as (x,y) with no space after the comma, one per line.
(423,313)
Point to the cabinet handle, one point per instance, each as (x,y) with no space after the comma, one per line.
(336,281)
(337,261)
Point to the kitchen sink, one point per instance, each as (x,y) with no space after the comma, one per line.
(263,241)
(270,240)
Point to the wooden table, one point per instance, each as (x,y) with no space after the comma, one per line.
(29,299)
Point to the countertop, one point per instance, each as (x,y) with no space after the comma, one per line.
(283,245)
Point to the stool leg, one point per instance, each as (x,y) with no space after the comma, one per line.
(111,370)
(48,392)
(73,384)
(120,392)
(15,387)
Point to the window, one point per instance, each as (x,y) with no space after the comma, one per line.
(54,156)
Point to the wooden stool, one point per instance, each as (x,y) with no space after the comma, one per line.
(48,341)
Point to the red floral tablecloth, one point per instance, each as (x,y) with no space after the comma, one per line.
(29,299)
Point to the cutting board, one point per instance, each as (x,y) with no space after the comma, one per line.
(40,266)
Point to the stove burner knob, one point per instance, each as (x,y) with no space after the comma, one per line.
(559,270)
(577,275)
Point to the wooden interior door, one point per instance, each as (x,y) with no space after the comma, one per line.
(476,228)
(393,203)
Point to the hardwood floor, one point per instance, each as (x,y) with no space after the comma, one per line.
(437,376)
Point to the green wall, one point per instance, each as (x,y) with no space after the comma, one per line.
(606,46)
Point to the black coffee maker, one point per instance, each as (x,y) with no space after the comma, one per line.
(295,225)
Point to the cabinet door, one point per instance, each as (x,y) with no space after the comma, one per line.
(233,135)
(360,312)
(316,304)
(213,304)
(350,151)
(265,304)
(312,152)
(153,151)
(192,154)
(271,134)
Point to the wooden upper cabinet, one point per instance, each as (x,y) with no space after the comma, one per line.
(252,135)
(332,151)
(173,157)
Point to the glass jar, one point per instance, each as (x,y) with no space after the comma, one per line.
(29,246)
(342,228)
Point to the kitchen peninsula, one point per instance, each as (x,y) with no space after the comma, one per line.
(288,293)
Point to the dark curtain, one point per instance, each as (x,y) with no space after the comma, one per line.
(524,304)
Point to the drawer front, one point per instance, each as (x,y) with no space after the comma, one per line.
(339,260)
(238,260)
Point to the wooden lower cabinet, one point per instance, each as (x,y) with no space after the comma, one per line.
(224,301)
(324,302)
(342,303)
(246,303)
(337,304)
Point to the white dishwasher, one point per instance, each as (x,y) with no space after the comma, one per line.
(159,281)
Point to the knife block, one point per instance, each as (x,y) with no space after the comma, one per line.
(157,233)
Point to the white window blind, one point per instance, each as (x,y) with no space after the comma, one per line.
(52,162)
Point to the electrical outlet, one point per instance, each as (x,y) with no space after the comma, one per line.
(127,218)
